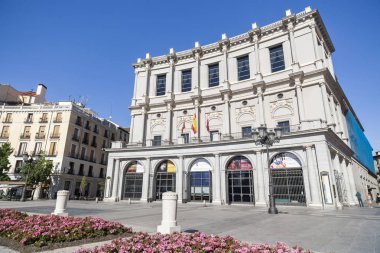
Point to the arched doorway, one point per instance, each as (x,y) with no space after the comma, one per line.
(240,180)
(288,184)
(133,179)
(165,178)
(200,181)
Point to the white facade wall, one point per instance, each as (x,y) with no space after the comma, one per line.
(305,93)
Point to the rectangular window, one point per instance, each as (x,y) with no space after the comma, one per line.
(157,140)
(285,127)
(186,80)
(8,118)
(26,133)
(83,154)
(81,169)
(55,132)
(53,149)
(22,148)
(58,117)
(71,168)
(78,121)
(243,68)
(18,166)
(67,186)
(213,75)
(161,85)
(41,132)
(29,118)
(44,118)
(90,168)
(5,132)
(277,58)
(37,148)
(186,138)
(246,132)
(214,135)
(73,150)
(92,156)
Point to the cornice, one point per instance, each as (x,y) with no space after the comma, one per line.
(247,37)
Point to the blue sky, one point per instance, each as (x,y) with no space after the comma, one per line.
(86,48)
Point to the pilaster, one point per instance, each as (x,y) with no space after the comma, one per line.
(217,199)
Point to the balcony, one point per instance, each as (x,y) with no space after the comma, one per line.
(43,120)
(4,136)
(94,144)
(7,121)
(83,157)
(87,127)
(73,155)
(40,136)
(25,136)
(96,130)
(92,160)
(75,137)
(53,153)
(55,136)
(85,141)
(103,162)
(57,120)
(28,120)
(78,122)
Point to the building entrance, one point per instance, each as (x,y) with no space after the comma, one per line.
(133,180)
(200,181)
(240,180)
(288,183)
(165,178)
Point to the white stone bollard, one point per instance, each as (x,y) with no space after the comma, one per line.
(61,203)
(169,214)
(204,203)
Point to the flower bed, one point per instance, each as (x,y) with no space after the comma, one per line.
(41,230)
(197,242)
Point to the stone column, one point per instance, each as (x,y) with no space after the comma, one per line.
(217,199)
(260,98)
(258,75)
(197,54)
(169,122)
(337,126)
(144,124)
(340,119)
(225,43)
(306,179)
(169,214)
(226,116)
(115,185)
(179,179)
(260,179)
(61,203)
(301,110)
(352,182)
(145,184)
(313,178)
(326,106)
(347,183)
(295,63)
(317,51)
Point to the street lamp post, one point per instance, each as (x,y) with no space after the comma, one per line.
(265,137)
(28,160)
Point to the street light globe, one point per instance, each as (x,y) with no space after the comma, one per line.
(278,131)
(271,135)
(262,131)
(255,135)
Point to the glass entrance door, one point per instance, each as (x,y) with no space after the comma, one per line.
(240,186)
(200,186)
(288,186)
(164,182)
(133,185)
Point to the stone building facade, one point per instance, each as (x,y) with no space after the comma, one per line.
(69,134)
(193,113)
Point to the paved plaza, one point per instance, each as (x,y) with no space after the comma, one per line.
(350,230)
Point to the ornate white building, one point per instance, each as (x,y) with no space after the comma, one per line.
(193,113)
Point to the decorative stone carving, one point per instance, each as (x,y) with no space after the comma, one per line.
(157,122)
(214,115)
(239,112)
(284,103)
(181,119)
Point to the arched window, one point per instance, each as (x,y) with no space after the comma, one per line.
(133,180)
(165,178)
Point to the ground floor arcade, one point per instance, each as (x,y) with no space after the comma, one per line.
(313,174)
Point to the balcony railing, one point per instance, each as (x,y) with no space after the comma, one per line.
(57,120)
(25,136)
(55,136)
(85,141)
(92,160)
(43,120)
(83,157)
(75,137)
(96,130)
(94,144)
(4,136)
(7,121)
(28,120)
(78,122)
(53,153)
(40,136)
(73,155)
(87,127)
(103,162)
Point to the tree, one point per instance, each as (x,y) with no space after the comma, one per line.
(5,151)
(83,185)
(39,172)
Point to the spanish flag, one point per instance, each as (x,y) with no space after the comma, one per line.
(194,124)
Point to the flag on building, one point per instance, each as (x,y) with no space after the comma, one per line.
(183,126)
(194,125)
(207,126)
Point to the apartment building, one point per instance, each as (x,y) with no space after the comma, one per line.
(69,134)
